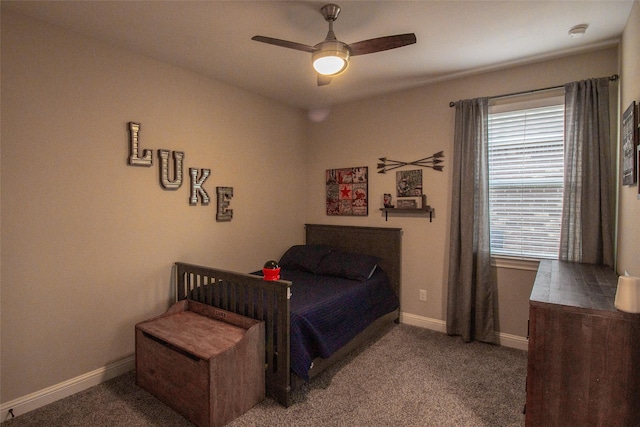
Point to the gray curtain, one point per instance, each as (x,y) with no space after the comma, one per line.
(471,289)
(587,220)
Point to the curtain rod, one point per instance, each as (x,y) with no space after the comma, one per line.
(612,78)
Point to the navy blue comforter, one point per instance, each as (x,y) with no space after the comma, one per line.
(327,312)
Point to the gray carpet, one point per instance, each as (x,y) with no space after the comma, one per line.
(409,377)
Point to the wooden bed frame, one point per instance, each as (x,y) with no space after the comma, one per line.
(251,296)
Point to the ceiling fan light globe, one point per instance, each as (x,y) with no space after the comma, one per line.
(329,65)
(331,58)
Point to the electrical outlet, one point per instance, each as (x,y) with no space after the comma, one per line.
(423,294)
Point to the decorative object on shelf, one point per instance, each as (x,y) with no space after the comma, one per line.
(629,144)
(432,162)
(225,194)
(386,200)
(271,270)
(407,204)
(347,191)
(409,183)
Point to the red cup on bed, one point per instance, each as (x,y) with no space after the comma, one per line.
(271,270)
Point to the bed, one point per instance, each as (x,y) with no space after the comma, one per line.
(328,301)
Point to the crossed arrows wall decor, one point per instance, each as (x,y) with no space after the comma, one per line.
(432,162)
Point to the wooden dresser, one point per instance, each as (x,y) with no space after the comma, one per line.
(584,355)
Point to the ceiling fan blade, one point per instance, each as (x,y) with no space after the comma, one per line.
(284,43)
(382,43)
(323,80)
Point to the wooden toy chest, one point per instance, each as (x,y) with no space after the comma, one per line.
(204,362)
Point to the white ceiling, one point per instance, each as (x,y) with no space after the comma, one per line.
(454,38)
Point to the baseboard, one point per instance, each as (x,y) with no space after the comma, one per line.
(507,340)
(423,322)
(28,403)
(513,341)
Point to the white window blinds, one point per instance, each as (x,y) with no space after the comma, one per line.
(526,167)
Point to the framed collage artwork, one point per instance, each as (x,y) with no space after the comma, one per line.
(347,191)
(629,145)
(409,183)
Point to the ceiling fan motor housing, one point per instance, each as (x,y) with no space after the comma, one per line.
(330,11)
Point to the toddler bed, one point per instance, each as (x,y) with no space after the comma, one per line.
(336,291)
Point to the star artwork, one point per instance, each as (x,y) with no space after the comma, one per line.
(347,191)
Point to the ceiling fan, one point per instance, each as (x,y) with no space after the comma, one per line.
(330,57)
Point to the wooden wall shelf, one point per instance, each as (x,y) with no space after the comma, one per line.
(425,209)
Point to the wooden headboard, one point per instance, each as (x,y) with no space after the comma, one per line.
(382,242)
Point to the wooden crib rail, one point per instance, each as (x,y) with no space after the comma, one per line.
(249,296)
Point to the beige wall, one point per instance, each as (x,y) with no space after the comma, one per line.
(413,124)
(628,203)
(87,241)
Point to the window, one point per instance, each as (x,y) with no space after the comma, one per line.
(526,168)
